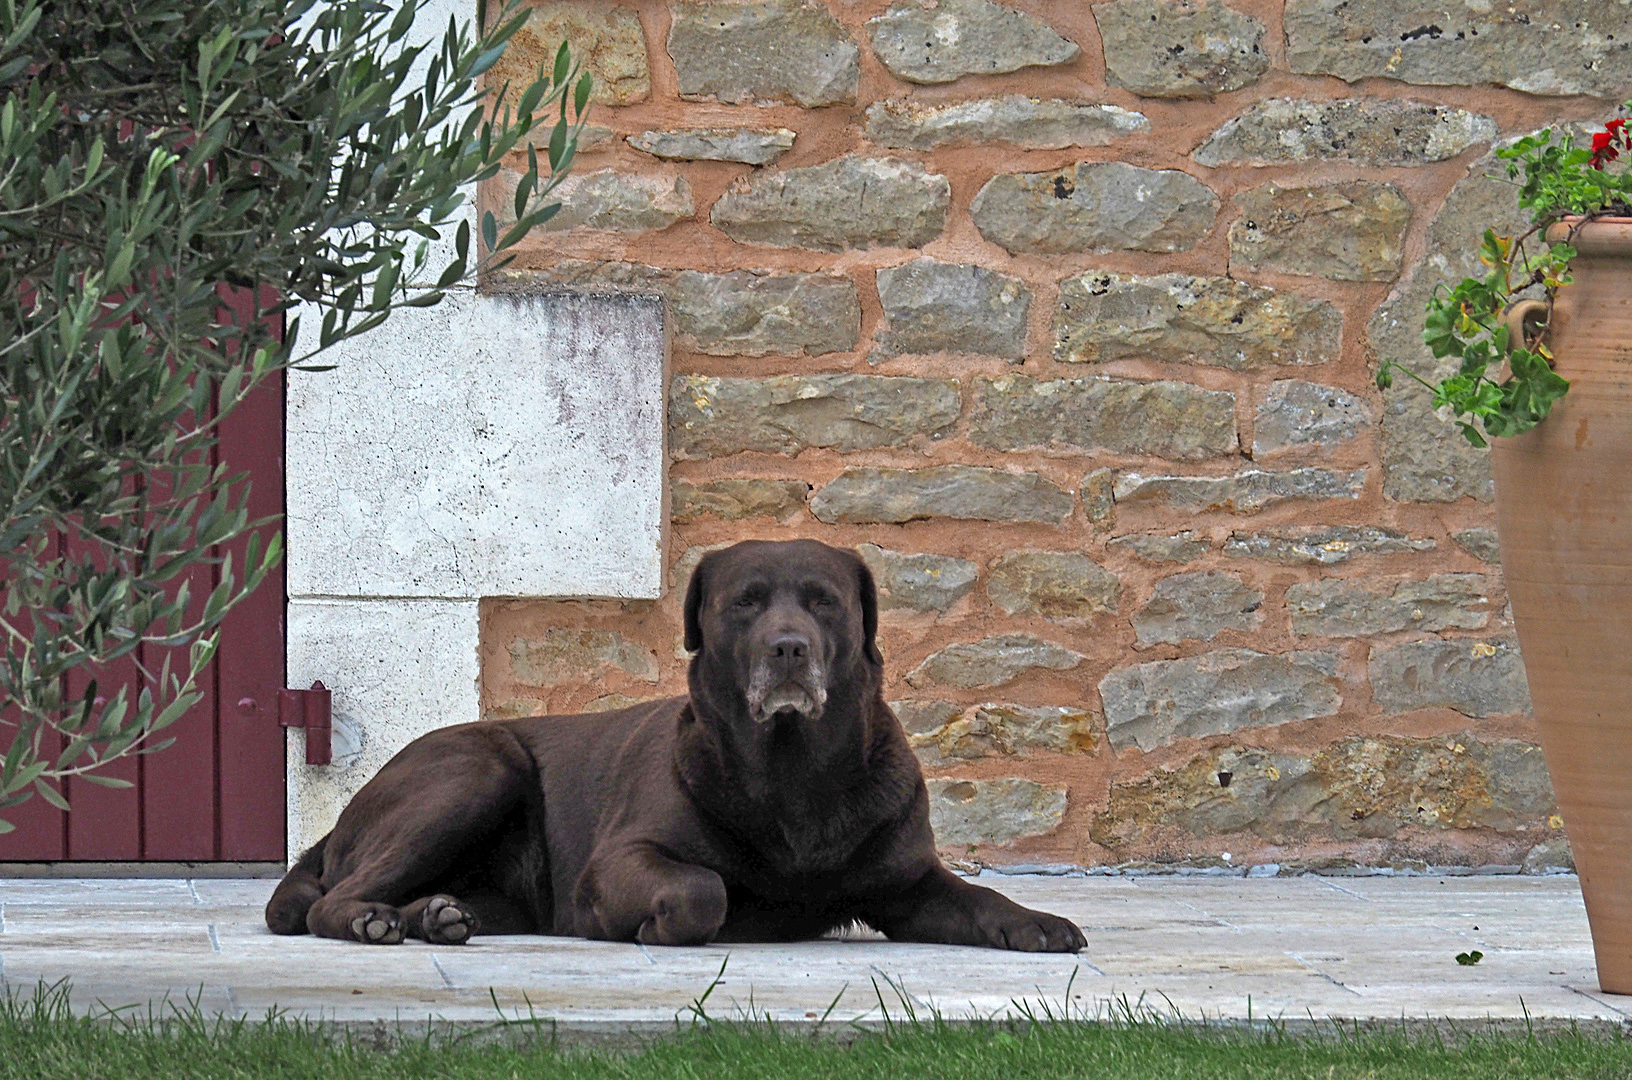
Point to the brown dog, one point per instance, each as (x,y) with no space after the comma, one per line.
(776,802)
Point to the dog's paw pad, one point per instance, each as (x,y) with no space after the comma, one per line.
(447,921)
(377,928)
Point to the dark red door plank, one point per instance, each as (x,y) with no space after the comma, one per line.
(178,790)
(218,791)
(40,830)
(250,662)
(105,824)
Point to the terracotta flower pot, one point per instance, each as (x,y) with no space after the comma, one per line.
(1564,516)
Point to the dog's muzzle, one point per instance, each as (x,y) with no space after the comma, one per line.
(771,692)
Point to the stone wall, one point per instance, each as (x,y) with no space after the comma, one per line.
(1065,315)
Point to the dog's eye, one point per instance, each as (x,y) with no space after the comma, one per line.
(747,600)
(821,600)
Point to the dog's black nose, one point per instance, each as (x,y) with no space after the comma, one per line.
(790,647)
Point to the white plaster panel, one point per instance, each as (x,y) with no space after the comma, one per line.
(488,446)
(397,669)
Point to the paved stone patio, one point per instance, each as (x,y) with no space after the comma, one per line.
(1295,948)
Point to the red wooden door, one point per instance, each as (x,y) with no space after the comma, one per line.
(217,793)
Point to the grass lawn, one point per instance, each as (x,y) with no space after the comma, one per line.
(41,1040)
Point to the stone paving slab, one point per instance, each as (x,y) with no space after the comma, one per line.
(1303,948)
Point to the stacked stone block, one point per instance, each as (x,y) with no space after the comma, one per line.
(1065,316)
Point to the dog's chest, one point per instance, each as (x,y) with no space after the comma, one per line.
(781,849)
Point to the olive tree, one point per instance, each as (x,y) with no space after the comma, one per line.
(154,153)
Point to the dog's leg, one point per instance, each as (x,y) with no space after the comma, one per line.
(409,825)
(296,893)
(639,894)
(943,908)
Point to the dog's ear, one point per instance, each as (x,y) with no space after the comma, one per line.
(694,608)
(868,593)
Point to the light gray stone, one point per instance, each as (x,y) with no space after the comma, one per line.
(1153,705)
(1551,856)
(1425,457)
(1322,546)
(1219,793)
(1099,498)
(963,37)
(1348,230)
(560,655)
(1243,493)
(1556,47)
(991,661)
(751,51)
(1476,678)
(1056,585)
(999,730)
(1457,782)
(612,201)
(851,202)
(1482,544)
(918,582)
(734,500)
(1342,607)
(1161,548)
(784,414)
(1197,607)
(1018,120)
(1367,131)
(860,496)
(1095,206)
(680,573)
(1183,319)
(589,277)
(932,306)
(739,313)
(517,708)
(1363,787)
(919,717)
(752,146)
(749,313)
(589,137)
(1000,811)
(613,702)
(1166,419)
(1180,48)
(607,43)
(1296,414)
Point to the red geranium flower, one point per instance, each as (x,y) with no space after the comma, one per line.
(1607,144)
(1603,149)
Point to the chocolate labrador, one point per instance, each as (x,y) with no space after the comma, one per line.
(777,801)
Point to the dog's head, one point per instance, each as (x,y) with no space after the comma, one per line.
(781,629)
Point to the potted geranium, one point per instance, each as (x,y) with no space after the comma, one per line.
(1544,341)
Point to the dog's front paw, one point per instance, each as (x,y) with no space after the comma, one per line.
(378,926)
(685,911)
(1030,931)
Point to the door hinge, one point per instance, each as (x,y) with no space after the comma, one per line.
(309,709)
